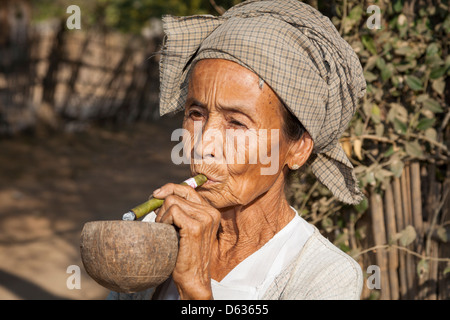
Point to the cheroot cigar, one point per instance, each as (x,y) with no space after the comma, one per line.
(154,203)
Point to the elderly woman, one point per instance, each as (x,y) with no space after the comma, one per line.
(264,66)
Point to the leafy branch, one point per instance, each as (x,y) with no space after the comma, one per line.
(393,246)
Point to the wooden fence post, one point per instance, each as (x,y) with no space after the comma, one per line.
(391,230)
(400,226)
(417,219)
(379,235)
(407,218)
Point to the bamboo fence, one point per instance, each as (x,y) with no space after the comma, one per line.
(60,76)
(418,200)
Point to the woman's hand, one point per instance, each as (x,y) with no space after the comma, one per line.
(198,223)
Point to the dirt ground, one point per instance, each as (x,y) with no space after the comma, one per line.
(50,187)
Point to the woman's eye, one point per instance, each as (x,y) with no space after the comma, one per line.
(237,123)
(195,114)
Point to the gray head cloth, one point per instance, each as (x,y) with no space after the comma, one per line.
(298,52)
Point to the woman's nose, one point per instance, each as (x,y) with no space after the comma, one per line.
(208,141)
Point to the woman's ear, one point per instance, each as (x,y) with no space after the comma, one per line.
(300,151)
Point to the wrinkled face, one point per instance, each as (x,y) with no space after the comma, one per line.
(235,133)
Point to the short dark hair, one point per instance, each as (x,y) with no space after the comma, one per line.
(293,130)
(292,127)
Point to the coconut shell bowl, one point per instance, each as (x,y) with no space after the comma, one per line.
(128,256)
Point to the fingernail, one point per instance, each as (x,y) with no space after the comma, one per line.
(156,191)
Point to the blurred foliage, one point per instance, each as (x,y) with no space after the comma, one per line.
(126,15)
(406,66)
(405,112)
(404,116)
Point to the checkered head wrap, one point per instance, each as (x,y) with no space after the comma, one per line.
(297,51)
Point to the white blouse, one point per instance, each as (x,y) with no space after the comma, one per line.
(250,279)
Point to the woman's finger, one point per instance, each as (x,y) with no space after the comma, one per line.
(185,192)
(198,212)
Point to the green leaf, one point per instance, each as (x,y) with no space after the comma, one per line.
(369,76)
(432,105)
(414,149)
(425,123)
(400,126)
(434,62)
(437,72)
(422,268)
(395,80)
(407,235)
(371,62)
(397,168)
(446,270)
(359,127)
(367,107)
(414,83)
(381,174)
(387,72)
(389,152)
(398,6)
(379,129)
(403,50)
(362,206)
(397,111)
(446,24)
(438,85)
(403,67)
(422,97)
(431,134)
(368,43)
(381,63)
(375,115)
(352,19)
(356,13)
(432,49)
(442,234)
(365,175)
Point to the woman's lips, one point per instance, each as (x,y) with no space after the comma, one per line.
(211,180)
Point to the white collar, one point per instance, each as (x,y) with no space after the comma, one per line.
(251,278)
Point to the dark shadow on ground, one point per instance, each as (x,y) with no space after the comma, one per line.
(25,289)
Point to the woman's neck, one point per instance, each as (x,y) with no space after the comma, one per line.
(245,229)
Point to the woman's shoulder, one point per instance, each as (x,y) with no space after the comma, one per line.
(321,271)
(324,255)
